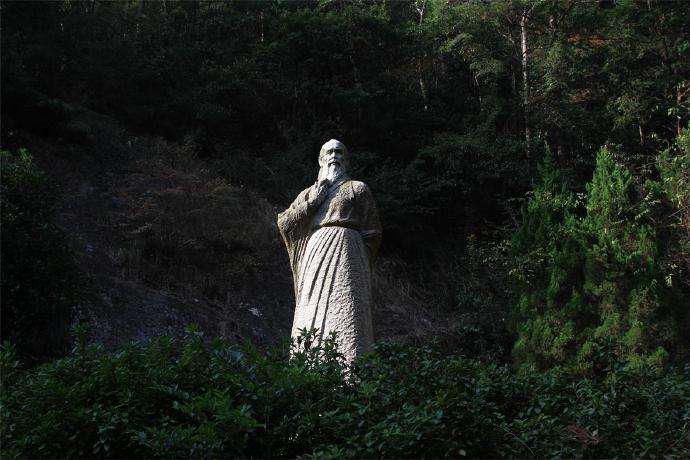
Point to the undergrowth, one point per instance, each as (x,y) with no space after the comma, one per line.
(173,397)
(40,280)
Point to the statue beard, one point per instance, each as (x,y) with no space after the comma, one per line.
(333,173)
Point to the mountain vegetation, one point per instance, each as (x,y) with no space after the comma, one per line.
(531,164)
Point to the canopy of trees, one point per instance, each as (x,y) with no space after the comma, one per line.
(530,158)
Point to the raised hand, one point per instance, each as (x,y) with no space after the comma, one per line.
(319,192)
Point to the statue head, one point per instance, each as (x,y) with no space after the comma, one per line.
(334,160)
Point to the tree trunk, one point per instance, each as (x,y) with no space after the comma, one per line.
(261,26)
(679,99)
(525,78)
(420,6)
(641,131)
(422,87)
(682,90)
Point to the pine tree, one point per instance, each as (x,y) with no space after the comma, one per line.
(592,286)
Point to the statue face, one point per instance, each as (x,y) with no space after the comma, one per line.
(333,160)
(333,157)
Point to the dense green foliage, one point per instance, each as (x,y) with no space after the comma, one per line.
(40,283)
(441,102)
(431,95)
(530,163)
(170,398)
(598,286)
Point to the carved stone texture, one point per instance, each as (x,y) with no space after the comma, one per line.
(332,233)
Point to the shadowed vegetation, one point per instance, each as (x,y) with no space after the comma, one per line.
(530,160)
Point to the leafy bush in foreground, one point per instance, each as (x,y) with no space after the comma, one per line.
(182,398)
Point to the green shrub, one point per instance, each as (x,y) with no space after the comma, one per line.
(594,276)
(39,276)
(176,398)
(674,193)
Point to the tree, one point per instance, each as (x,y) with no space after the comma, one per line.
(595,291)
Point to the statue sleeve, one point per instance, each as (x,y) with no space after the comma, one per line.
(294,224)
(371,224)
(291,221)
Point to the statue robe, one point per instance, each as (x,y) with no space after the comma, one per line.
(331,248)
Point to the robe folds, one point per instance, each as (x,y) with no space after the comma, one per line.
(331,246)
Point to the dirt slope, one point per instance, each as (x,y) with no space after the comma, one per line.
(165,242)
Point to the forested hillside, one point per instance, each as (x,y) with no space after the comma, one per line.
(531,165)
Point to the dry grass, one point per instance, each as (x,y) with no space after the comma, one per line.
(403,309)
(187,230)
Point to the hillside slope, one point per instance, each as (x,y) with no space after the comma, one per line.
(165,241)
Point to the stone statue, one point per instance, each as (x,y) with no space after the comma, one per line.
(332,233)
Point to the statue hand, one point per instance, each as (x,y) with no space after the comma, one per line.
(320,189)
